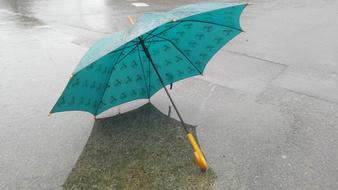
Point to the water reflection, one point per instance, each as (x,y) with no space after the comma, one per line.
(18,6)
(141,149)
(21,13)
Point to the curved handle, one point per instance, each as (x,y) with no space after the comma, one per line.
(198,154)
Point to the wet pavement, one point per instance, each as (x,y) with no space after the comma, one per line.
(149,151)
(266,109)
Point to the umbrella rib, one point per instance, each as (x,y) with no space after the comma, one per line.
(127,54)
(112,69)
(186,57)
(162,31)
(149,70)
(123,48)
(200,21)
(154,41)
(145,82)
(207,22)
(149,83)
(111,72)
(148,34)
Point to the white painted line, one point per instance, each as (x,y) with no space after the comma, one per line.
(140,4)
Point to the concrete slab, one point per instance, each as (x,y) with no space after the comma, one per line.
(241,72)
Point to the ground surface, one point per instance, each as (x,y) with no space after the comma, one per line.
(124,153)
(266,110)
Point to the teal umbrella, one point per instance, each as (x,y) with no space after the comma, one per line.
(160,49)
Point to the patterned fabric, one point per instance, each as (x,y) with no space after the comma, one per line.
(116,70)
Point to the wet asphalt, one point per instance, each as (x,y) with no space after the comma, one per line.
(265,112)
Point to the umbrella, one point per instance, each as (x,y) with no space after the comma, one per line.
(160,49)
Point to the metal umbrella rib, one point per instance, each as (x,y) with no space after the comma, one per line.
(112,69)
(161,81)
(142,65)
(208,22)
(181,52)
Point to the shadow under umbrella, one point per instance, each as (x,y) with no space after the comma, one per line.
(140,149)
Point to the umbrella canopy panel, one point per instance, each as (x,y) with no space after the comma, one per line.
(116,70)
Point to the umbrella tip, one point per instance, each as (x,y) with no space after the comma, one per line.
(71,76)
(130,19)
(174,20)
(49,114)
(248,4)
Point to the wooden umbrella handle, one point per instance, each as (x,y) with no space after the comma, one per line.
(198,154)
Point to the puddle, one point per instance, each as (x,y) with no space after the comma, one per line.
(141,149)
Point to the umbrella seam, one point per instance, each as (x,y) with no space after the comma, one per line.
(117,62)
(186,57)
(118,50)
(178,23)
(150,32)
(145,82)
(207,22)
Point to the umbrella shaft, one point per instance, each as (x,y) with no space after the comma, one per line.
(162,83)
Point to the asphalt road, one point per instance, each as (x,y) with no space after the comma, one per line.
(266,109)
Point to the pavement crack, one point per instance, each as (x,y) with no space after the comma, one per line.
(213,87)
(312,96)
(278,74)
(257,58)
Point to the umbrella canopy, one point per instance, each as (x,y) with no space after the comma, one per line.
(161,48)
